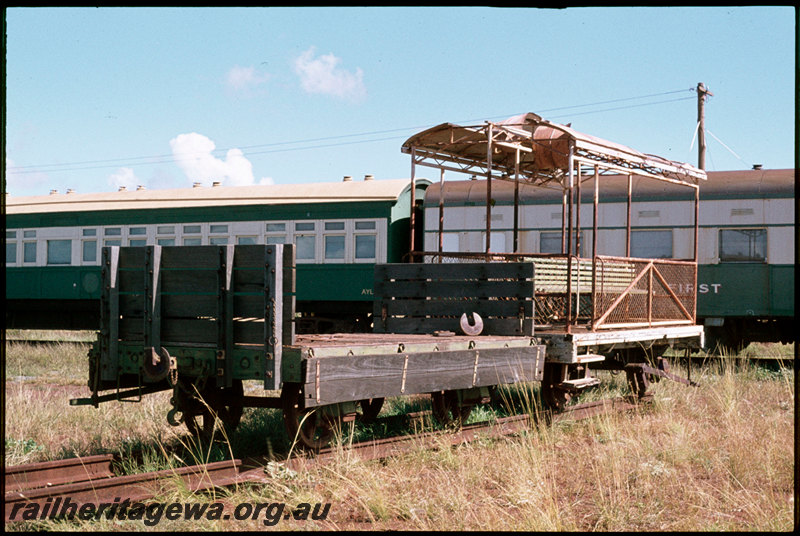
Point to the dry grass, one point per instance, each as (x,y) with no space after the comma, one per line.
(716,457)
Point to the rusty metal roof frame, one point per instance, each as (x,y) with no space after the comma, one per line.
(526,149)
(536,151)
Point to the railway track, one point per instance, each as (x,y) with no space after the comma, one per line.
(91,479)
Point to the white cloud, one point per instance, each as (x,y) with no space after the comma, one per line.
(244,78)
(124,177)
(193,153)
(321,75)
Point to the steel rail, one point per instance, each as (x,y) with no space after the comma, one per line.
(57,472)
(111,490)
(134,488)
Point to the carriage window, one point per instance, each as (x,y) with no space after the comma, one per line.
(11,252)
(651,244)
(165,229)
(450,242)
(191,229)
(59,251)
(192,241)
(28,234)
(113,231)
(365,247)
(276,240)
(112,242)
(90,232)
(334,226)
(276,227)
(166,241)
(743,245)
(365,225)
(89,251)
(218,229)
(246,240)
(334,246)
(305,246)
(137,231)
(29,252)
(306,226)
(137,242)
(11,234)
(550,242)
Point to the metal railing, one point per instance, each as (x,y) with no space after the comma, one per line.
(603,292)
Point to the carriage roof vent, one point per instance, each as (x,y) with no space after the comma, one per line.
(757,166)
(70,191)
(347,178)
(123,189)
(53,192)
(369,177)
(215,184)
(197,184)
(140,188)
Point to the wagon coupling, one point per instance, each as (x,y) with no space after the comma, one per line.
(156,364)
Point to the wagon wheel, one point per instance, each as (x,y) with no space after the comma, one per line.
(447,410)
(553,397)
(370,408)
(310,429)
(223,405)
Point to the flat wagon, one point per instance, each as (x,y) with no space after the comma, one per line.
(203,319)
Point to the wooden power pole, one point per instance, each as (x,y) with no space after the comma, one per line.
(702,92)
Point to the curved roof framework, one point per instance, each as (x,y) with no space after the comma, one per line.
(536,151)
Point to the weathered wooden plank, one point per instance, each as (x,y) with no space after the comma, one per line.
(457,271)
(131,281)
(191,258)
(130,258)
(330,380)
(495,326)
(131,305)
(248,279)
(190,281)
(463,289)
(433,307)
(249,332)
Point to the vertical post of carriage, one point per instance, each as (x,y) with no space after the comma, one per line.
(225,317)
(578,239)
(696,243)
(516,201)
(273,314)
(441,213)
(563,218)
(628,221)
(571,181)
(595,203)
(411,221)
(152,298)
(489,190)
(109,361)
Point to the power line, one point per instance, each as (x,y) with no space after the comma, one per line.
(171,158)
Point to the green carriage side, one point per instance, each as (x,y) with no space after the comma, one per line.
(344,229)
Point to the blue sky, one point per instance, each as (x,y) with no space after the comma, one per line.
(99,98)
